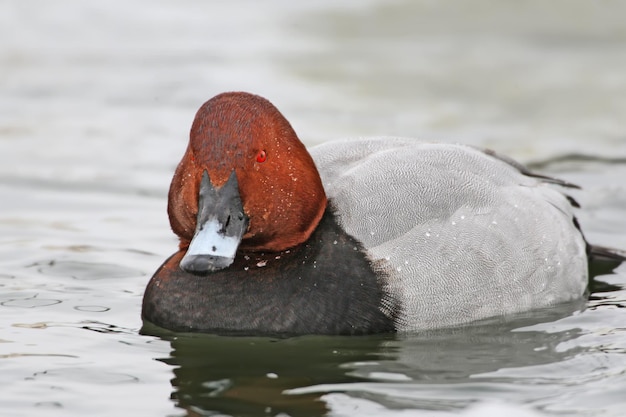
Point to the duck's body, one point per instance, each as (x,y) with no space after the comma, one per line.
(461,234)
(414,235)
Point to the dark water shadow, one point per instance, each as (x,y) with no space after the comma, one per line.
(603,293)
(261,376)
(247,376)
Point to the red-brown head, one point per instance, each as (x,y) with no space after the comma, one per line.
(279,187)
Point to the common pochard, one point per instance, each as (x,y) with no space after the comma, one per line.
(354,236)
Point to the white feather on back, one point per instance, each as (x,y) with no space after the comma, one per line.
(462,235)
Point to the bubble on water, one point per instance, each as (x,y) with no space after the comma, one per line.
(92,309)
(30,302)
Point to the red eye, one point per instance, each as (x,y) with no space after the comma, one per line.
(261,156)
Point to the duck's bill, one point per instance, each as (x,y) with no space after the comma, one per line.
(221,224)
(210,250)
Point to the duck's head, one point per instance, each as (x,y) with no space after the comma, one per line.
(245,182)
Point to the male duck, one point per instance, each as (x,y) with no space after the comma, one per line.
(356,236)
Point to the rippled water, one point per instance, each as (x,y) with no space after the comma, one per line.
(96,99)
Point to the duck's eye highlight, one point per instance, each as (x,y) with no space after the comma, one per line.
(261,156)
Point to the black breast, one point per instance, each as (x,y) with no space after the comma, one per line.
(324,286)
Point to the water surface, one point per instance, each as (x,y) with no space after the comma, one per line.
(96,101)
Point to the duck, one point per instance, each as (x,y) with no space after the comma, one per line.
(355,236)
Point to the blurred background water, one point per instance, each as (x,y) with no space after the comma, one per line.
(96,101)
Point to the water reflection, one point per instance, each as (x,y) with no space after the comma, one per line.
(451,369)
(262,376)
(30,301)
(247,376)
